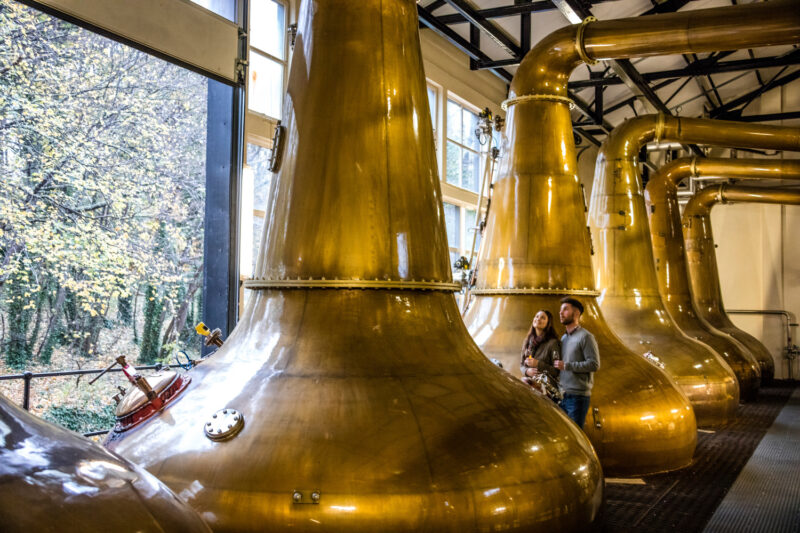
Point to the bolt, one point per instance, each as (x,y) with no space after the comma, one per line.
(315,497)
(297,497)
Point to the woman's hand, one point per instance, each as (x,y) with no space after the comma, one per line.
(531,362)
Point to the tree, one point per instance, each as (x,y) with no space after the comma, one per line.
(102,175)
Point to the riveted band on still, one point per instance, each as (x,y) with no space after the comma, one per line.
(540,97)
(259,284)
(526,290)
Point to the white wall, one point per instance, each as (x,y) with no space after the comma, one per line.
(759,264)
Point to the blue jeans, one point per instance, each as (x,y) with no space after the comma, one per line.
(576,407)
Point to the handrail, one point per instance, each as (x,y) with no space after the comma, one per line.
(27,377)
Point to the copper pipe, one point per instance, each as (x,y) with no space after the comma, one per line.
(54,480)
(666,235)
(366,406)
(546,68)
(625,268)
(701,257)
(537,247)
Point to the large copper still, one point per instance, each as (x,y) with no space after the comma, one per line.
(537,247)
(701,257)
(53,480)
(626,276)
(666,235)
(350,396)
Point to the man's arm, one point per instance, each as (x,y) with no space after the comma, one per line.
(591,357)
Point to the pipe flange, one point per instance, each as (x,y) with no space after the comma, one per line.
(537,97)
(530,290)
(580,47)
(693,167)
(424,285)
(661,126)
(224,424)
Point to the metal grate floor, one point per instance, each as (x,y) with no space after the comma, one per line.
(766,495)
(685,500)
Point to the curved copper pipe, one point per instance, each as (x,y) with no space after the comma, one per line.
(700,254)
(625,267)
(666,235)
(352,368)
(545,69)
(537,247)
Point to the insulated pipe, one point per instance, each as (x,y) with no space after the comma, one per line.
(702,260)
(537,247)
(666,236)
(625,269)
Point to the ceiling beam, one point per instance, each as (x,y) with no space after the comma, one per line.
(696,68)
(788,115)
(426,18)
(501,12)
(745,100)
(488,27)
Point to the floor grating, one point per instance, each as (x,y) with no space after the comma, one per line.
(685,500)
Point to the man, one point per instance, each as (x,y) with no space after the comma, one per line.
(579,360)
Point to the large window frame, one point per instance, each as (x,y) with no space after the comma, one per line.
(252,50)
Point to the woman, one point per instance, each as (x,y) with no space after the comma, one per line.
(541,349)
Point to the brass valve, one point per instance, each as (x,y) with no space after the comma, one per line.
(212,337)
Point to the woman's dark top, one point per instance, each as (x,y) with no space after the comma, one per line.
(545,353)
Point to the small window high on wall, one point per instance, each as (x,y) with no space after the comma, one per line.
(463,168)
(267,57)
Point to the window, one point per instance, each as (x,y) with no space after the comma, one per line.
(433,104)
(267,57)
(103,212)
(460,223)
(463,168)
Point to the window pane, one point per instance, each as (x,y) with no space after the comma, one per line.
(470,170)
(453,121)
(432,105)
(470,124)
(102,212)
(472,230)
(452,219)
(453,164)
(267,27)
(223,8)
(453,258)
(265,91)
(258,160)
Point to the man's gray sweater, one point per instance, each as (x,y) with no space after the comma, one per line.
(581,359)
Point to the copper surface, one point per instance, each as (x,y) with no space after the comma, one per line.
(626,275)
(702,261)
(620,157)
(367,406)
(53,480)
(135,398)
(537,238)
(661,196)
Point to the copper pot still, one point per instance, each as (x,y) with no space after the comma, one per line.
(350,396)
(669,251)
(54,480)
(538,248)
(701,257)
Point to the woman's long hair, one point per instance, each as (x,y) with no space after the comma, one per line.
(549,330)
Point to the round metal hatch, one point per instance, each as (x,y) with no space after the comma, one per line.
(224,424)
(135,398)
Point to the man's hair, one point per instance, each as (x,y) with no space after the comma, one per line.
(573,302)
